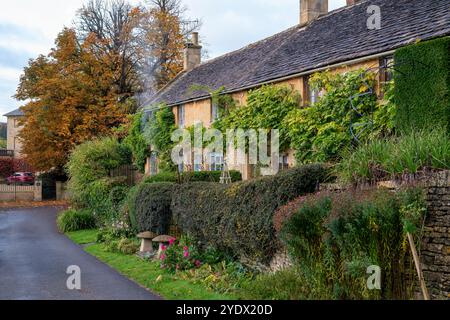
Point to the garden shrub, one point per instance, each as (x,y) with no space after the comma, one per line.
(282,285)
(334,238)
(127,246)
(90,184)
(180,255)
(237,219)
(422,85)
(390,158)
(152,207)
(75,220)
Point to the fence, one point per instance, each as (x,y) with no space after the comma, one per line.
(129,172)
(16,192)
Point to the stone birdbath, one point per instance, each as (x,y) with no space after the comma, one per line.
(146,243)
(163,241)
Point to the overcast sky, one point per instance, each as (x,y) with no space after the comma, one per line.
(28,28)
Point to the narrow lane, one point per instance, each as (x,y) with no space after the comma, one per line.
(34,258)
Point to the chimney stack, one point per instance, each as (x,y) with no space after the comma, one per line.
(192,53)
(352,2)
(312,9)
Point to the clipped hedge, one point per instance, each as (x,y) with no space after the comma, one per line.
(152,210)
(238,218)
(200,176)
(422,85)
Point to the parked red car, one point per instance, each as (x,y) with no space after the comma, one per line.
(21,178)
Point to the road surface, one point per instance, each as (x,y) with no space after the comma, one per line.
(34,258)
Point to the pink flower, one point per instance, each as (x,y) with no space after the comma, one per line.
(186,248)
(171,241)
(163,248)
(186,254)
(197,263)
(163,257)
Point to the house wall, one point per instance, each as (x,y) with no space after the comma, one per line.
(198,111)
(13,142)
(201,110)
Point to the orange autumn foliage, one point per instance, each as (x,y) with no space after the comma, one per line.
(71,98)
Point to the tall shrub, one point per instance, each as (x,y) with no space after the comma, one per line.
(152,210)
(334,238)
(89,167)
(422,85)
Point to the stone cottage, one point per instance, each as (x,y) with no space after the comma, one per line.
(340,40)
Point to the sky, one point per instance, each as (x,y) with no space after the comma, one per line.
(28,28)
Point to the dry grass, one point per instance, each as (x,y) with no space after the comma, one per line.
(33,204)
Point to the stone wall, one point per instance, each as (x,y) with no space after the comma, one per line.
(435,248)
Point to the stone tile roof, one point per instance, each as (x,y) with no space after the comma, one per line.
(15,113)
(339,36)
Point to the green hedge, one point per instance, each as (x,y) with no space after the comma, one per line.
(422,85)
(151,210)
(238,218)
(201,176)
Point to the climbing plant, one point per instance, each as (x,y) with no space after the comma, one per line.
(266,109)
(136,142)
(319,133)
(158,132)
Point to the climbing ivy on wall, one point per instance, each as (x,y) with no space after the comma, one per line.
(136,142)
(158,134)
(422,91)
(266,109)
(320,132)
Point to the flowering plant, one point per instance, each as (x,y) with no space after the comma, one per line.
(179,255)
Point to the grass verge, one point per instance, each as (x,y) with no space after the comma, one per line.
(147,274)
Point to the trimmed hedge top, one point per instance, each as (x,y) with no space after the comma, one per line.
(201,176)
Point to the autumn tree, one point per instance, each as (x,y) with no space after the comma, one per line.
(111,27)
(164,29)
(71,97)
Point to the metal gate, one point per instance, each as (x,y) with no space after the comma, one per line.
(48,189)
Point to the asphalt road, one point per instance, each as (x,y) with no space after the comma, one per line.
(34,258)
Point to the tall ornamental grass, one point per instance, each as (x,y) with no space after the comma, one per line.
(391,158)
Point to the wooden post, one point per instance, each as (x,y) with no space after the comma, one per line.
(423,285)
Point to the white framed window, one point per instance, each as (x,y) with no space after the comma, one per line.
(216,161)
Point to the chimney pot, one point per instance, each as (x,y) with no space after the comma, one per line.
(195,38)
(192,53)
(312,9)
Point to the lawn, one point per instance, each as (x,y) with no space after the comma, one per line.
(83,237)
(147,274)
